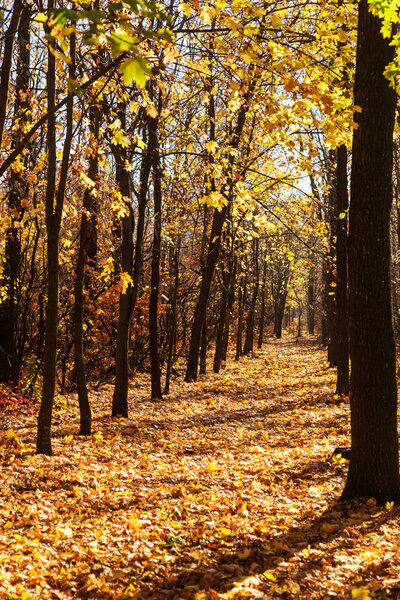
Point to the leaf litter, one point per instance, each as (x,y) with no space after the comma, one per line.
(225,489)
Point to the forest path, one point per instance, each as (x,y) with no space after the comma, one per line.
(226,489)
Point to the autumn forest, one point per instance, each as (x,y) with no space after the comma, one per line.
(200,299)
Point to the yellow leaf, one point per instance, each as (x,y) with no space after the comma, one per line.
(213,467)
(360,593)
(245,554)
(151,110)
(65,531)
(40,18)
(224,532)
(185,8)
(269,576)
(214,199)
(211,146)
(134,523)
(389,505)
(11,434)
(125,280)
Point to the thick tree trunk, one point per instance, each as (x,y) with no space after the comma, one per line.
(374,462)
(342,322)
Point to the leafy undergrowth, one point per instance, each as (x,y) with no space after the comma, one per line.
(226,489)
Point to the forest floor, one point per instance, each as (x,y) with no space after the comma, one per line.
(225,489)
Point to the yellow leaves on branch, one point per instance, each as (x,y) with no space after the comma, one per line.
(125,280)
(215,200)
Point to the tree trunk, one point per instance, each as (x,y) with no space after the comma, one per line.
(331,283)
(248,342)
(262,312)
(7,62)
(342,322)
(311,300)
(203,347)
(87,236)
(374,462)
(221,320)
(156,391)
(241,308)
(172,326)
(53,224)
(10,358)
(120,396)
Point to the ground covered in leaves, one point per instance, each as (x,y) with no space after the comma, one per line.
(225,489)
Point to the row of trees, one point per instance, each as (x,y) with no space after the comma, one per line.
(172,179)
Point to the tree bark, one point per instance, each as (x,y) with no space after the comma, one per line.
(262,311)
(342,322)
(54,211)
(172,320)
(249,339)
(7,62)
(87,235)
(374,462)
(156,391)
(10,356)
(120,395)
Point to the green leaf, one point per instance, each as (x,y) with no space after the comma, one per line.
(120,42)
(135,69)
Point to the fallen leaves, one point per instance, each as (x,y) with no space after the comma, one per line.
(226,489)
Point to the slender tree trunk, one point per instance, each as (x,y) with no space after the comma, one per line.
(7,62)
(342,323)
(10,357)
(214,246)
(54,213)
(201,306)
(262,311)
(120,396)
(249,339)
(229,308)
(331,283)
(221,321)
(241,309)
(86,241)
(156,391)
(203,347)
(374,462)
(324,329)
(311,300)
(172,327)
